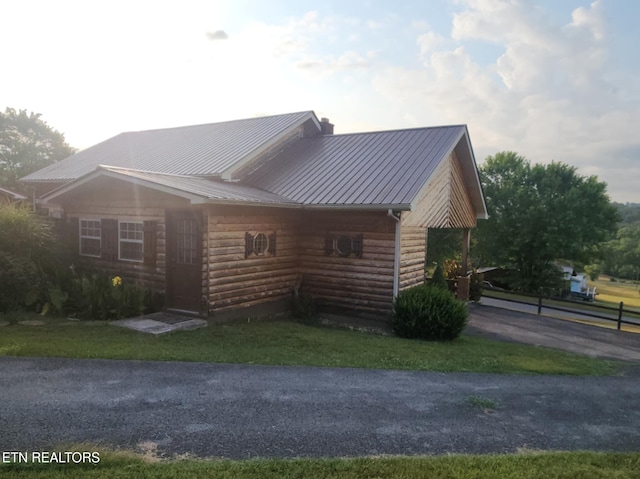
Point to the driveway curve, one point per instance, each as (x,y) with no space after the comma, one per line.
(517,326)
(240,411)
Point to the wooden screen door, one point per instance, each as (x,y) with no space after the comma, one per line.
(184,261)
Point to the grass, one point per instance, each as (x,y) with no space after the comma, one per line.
(517,466)
(290,343)
(481,402)
(611,293)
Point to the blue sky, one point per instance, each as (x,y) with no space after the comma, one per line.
(552,80)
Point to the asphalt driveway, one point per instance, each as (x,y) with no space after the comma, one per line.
(243,411)
(510,325)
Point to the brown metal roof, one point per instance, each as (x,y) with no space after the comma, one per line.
(191,150)
(198,190)
(379,168)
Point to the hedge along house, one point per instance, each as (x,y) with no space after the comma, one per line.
(231,215)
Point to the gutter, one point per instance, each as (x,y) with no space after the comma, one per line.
(396,252)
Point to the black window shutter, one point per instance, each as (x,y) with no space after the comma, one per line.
(356,246)
(109,239)
(328,244)
(248,244)
(149,238)
(73,235)
(272,243)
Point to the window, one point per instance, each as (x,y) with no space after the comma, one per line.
(187,241)
(90,233)
(343,245)
(260,245)
(130,244)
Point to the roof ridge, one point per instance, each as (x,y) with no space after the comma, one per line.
(394,130)
(218,122)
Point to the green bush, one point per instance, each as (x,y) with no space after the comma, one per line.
(303,308)
(98,296)
(29,261)
(475,286)
(438,280)
(427,312)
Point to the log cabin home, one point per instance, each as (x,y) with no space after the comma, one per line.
(233,215)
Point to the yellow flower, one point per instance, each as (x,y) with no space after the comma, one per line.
(116,281)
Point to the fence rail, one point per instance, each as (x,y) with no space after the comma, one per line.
(583,309)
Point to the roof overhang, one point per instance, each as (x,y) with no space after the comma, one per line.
(464,151)
(472,176)
(102,172)
(59,193)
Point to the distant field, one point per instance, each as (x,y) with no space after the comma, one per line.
(614,292)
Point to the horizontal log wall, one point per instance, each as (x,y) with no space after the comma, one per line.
(413,248)
(364,283)
(236,281)
(113,199)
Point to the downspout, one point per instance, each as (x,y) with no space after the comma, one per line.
(396,253)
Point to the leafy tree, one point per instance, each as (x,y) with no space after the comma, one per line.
(443,243)
(538,215)
(621,255)
(27,144)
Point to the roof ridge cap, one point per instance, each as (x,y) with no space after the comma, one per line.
(217,122)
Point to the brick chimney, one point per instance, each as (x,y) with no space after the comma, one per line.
(326,126)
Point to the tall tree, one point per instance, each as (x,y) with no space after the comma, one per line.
(539,215)
(27,144)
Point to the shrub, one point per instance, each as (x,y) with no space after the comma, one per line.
(303,308)
(29,261)
(427,312)
(438,280)
(98,296)
(475,286)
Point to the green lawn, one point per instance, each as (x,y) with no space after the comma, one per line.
(290,343)
(519,466)
(612,292)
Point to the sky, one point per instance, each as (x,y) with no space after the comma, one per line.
(553,80)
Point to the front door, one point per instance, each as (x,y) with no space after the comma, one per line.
(184,261)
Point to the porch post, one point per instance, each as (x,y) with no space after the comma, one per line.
(466,243)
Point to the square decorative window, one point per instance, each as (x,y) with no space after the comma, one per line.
(130,241)
(343,245)
(90,237)
(259,244)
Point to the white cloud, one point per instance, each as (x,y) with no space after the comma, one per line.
(550,96)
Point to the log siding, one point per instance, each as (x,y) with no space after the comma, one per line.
(236,279)
(413,249)
(121,202)
(364,283)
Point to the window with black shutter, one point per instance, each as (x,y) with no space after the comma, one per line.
(109,240)
(259,244)
(343,245)
(150,233)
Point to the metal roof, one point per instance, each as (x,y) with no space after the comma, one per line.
(191,150)
(198,190)
(379,168)
(12,194)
